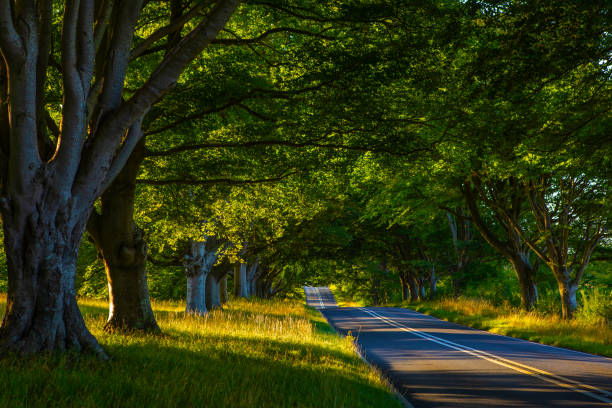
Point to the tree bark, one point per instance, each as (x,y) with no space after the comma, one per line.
(567,290)
(527,284)
(45,204)
(199,260)
(433,282)
(240,281)
(414,288)
(404,285)
(251,278)
(421,286)
(213,292)
(223,290)
(214,283)
(42,312)
(120,242)
(196,295)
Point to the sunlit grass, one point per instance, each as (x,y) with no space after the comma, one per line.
(345,301)
(589,335)
(251,354)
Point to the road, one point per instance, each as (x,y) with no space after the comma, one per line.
(434,363)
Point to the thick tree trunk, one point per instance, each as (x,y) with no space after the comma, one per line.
(213,292)
(199,260)
(196,294)
(223,290)
(214,285)
(421,283)
(41,245)
(241,288)
(567,291)
(251,278)
(414,288)
(526,279)
(124,251)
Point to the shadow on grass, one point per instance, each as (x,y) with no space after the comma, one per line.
(162,376)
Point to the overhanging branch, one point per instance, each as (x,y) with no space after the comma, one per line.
(265,34)
(226,181)
(256,143)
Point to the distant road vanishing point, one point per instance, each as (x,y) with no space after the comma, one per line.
(434,363)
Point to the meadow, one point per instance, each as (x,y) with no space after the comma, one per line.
(253,353)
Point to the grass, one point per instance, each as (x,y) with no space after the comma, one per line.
(588,335)
(251,354)
(344,301)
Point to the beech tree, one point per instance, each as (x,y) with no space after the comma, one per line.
(48,183)
(199,259)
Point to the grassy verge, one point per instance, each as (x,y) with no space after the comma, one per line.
(344,301)
(251,354)
(593,336)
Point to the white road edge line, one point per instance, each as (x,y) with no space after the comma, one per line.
(522,368)
(606,393)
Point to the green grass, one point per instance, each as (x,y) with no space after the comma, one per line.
(588,335)
(251,354)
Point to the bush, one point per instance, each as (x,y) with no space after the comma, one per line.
(595,304)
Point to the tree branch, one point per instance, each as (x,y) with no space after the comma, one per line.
(10,41)
(267,33)
(164,31)
(226,181)
(186,148)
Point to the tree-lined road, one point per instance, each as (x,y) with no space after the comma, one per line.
(434,363)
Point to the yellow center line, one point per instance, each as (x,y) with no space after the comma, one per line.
(522,368)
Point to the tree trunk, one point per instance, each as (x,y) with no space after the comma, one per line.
(404,285)
(196,294)
(124,251)
(414,288)
(251,278)
(421,284)
(223,290)
(567,290)
(213,292)
(526,278)
(375,291)
(511,248)
(433,282)
(240,281)
(41,242)
(198,262)
(433,287)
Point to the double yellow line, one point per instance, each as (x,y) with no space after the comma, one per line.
(593,392)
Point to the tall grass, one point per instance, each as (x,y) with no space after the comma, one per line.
(586,332)
(251,354)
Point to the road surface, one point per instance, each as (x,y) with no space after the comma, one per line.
(434,363)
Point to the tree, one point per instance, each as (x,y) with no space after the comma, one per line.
(48,184)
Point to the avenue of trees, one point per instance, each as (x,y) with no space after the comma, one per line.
(206,150)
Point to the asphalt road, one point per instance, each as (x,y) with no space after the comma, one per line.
(434,363)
